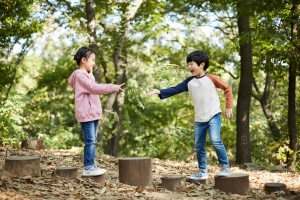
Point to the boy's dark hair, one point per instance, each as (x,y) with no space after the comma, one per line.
(83,52)
(198,57)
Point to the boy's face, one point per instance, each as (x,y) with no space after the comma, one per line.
(195,69)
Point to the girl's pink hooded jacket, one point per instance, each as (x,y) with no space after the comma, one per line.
(87,91)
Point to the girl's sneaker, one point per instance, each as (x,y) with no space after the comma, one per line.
(225,171)
(202,174)
(94,171)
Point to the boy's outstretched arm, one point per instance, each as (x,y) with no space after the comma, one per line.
(153,91)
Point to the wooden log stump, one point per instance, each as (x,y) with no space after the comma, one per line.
(201,181)
(33,144)
(67,172)
(172,182)
(274,187)
(19,166)
(98,179)
(136,171)
(235,183)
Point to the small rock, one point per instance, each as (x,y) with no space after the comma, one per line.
(251,166)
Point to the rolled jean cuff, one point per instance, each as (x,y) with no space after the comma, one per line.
(88,167)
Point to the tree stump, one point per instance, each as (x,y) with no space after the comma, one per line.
(67,172)
(172,182)
(201,181)
(274,187)
(33,144)
(135,171)
(235,183)
(19,166)
(98,179)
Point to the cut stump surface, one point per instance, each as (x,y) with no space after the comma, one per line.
(235,183)
(274,187)
(67,172)
(172,182)
(135,171)
(19,166)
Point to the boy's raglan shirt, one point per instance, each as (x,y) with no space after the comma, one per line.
(204,95)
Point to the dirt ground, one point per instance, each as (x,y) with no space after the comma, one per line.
(51,186)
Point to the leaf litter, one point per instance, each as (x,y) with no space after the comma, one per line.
(51,186)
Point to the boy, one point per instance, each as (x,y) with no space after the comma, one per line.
(202,88)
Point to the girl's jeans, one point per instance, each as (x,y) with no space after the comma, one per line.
(213,127)
(90,130)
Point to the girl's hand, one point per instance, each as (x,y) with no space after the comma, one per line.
(153,91)
(118,88)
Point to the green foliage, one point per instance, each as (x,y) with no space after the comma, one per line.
(272,53)
(158,128)
(17,22)
(11,121)
(49,112)
(158,134)
(282,152)
(260,137)
(41,104)
(152,128)
(61,137)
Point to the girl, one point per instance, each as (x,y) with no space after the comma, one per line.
(87,105)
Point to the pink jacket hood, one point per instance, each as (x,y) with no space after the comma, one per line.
(87,91)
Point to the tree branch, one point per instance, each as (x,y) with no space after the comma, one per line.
(256,96)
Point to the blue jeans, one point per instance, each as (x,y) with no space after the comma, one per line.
(90,130)
(213,127)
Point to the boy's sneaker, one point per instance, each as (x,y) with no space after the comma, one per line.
(202,174)
(94,171)
(225,171)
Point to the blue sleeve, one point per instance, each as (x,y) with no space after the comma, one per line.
(181,87)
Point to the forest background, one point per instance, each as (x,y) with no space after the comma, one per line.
(254,46)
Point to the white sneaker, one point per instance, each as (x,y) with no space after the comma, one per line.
(94,171)
(202,174)
(225,171)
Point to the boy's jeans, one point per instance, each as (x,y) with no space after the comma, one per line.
(90,130)
(213,127)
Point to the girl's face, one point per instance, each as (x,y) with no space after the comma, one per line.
(88,63)
(195,69)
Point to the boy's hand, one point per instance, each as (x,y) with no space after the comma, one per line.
(118,88)
(153,91)
(228,113)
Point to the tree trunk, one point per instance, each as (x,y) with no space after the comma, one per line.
(243,152)
(90,16)
(293,133)
(115,101)
(292,118)
(113,147)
